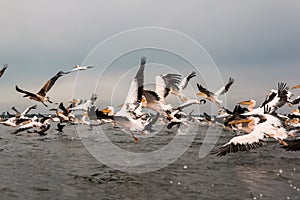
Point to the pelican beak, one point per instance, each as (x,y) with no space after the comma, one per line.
(296,87)
(201,94)
(245,102)
(295,111)
(106,110)
(240,121)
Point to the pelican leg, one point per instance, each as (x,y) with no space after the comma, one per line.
(136,140)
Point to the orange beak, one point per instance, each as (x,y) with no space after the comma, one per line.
(296,87)
(240,121)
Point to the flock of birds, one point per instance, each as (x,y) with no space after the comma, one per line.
(257,124)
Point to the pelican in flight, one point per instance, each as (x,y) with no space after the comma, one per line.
(86,104)
(177,91)
(130,117)
(265,125)
(155,100)
(3,69)
(41,95)
(274,100)
(213,97)
(79,68)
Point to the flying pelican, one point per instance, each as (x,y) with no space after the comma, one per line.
(274,100)
(86,105)
(79,68)
(3,69)
(177,91)
(18,118)
(213,97)
(267,125)
(155,100)
(41,95)
(130,116)
(43,125)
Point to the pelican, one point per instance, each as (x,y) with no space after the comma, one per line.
(130,116)
(155,100)
(43,125)
(274,100)
(18,118)
(41,95)
(79,68)
(267,125)
(177,91)
(86,105)
(3,69)
(213,97)
(176,117)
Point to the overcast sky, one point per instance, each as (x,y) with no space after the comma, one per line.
(255,42)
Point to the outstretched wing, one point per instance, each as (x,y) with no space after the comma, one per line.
(25,92)
(163,84)
(225,88)
(49,84)
(204,90)
(185,81)
(3,69)
(247,142)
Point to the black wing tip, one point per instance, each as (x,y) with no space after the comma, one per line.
(143,60)
(191,75)
(233,148)
(293,145)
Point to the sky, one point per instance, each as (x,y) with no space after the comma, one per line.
(255,42)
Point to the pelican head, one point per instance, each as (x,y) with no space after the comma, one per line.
(109,110)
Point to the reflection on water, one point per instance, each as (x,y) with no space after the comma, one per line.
(59,167)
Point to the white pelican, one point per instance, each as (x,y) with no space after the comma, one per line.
(177,91)
(41,95)
(176,117)
(274,100)
(130,116)
(79,68)
(18,118)
(213,97)
(86,105)
(3,69)
(268,125)
(43,125)
(155,100)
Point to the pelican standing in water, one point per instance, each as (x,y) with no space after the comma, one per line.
(41,95)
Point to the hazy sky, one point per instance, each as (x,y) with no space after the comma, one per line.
(255,42)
